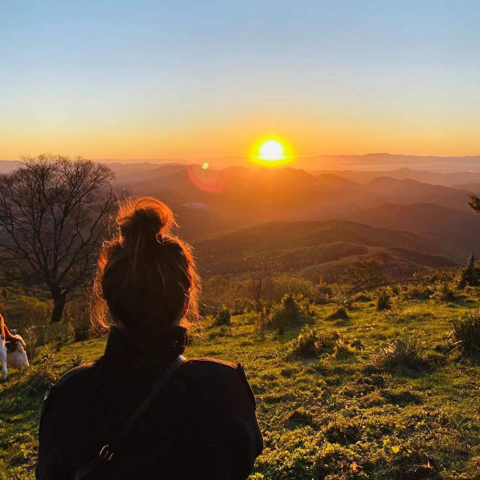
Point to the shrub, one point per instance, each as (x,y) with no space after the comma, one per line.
(31,339)
(262,318)
(312,343)
(81,332)
(384,300)
(342,296)
(343,350)
(41,333)
(223,317)
(361,297)
(59,333)
(306,307)
(469,276)
(339,314)
(78,318)
(323,294)
(286,314)
(307,343)
(466,334)
(285,284)
(343,430)
(81,328)
(239,306)
(21,311)
(76,360)
(417,292)
(41,376)
(444,292)
(402,354)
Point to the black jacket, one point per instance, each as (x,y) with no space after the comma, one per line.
(201,426)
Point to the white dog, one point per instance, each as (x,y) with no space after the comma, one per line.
(12,350)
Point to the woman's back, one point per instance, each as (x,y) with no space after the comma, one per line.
(201,426)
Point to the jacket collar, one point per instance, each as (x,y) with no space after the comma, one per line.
(157,349)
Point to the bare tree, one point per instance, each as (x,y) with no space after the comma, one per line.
(52,219)
(259,271)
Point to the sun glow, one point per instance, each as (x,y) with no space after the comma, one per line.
(271,152)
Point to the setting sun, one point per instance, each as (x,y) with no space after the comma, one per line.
(271,152)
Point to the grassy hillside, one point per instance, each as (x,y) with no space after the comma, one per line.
(398,263)
(296,246)
(339,399)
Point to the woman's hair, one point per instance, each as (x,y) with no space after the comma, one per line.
(145,274)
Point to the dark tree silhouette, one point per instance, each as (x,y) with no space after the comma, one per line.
(53,212)
(468,277)
(474,202)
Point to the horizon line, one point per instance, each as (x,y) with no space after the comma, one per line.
(238,157)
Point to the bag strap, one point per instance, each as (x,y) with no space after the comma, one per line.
(107,451)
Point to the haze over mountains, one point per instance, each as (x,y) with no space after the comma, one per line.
(213,204)
(407,218)
(370,164)
(370,161)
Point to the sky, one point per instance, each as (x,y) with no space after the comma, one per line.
(193,79)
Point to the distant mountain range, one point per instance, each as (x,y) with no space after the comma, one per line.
(370,162)
(216,203)
(448,179)
(458,232)
(211,202)
(388,161)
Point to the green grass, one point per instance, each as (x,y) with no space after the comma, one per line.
(338,414)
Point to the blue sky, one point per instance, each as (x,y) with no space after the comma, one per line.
(194,79)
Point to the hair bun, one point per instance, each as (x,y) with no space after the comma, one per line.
(144,221)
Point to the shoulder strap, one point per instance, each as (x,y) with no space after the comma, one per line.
(107,452)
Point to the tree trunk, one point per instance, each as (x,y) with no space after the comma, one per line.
(58,306)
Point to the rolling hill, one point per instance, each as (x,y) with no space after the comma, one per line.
(447,179)
(409,191)
(316,249)
(458,232)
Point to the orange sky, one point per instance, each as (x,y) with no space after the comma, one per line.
(131,142)
(195,80)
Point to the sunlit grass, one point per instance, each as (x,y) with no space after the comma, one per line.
(321,414)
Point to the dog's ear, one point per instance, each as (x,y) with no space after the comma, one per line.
(2,327)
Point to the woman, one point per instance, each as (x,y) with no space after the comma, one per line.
(202,424)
